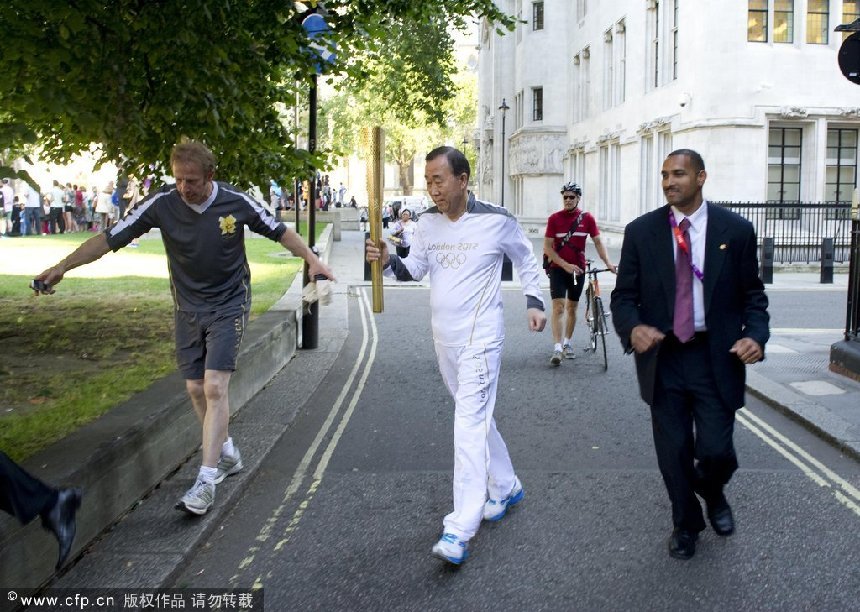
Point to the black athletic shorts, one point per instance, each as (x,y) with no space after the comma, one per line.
(208,341)
(561,285)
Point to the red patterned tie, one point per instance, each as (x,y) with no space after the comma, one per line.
(683,326)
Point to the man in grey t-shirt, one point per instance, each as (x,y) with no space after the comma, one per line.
(202,226)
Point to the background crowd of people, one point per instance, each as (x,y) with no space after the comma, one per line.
(68,208)
(327,196)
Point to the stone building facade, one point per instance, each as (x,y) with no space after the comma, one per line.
(599,92)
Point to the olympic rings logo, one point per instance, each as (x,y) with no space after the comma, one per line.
(450,260)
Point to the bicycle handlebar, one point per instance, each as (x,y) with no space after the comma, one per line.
(594,271)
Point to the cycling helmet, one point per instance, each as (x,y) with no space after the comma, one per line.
(571,186)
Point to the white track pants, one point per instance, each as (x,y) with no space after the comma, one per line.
(481,461)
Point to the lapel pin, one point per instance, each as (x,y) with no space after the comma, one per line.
(723,246)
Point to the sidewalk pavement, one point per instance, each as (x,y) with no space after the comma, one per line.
(147,546)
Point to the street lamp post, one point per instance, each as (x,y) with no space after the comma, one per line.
(315,27)
(845,355)
(507,265)
(504,108)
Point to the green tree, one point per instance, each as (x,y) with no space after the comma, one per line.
(415,64)
(132,77)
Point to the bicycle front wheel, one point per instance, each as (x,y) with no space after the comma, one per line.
(591,320)
(600,327)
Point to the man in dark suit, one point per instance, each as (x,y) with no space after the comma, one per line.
(25,497)
(689,302)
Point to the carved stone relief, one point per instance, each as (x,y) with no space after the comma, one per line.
(537,154)
(793,112)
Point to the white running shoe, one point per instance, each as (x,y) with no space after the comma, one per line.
(495,509)
(229,465)
(568,352)
(198,499)
(450,548)
(555,360)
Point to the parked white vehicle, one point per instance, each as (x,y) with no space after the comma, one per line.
(415,204)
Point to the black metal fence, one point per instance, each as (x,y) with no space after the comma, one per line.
(798,228)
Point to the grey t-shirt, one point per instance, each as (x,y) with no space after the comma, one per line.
(205,243)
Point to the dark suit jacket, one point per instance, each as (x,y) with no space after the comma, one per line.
(735,302)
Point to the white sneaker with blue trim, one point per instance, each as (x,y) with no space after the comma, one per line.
(450,548)
(495,509)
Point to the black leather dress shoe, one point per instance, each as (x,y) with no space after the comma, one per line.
(720,516)
(59,519)
(682,544)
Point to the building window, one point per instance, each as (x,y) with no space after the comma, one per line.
(581,84)
(652,78)
(576,171)
(608,68)
(841,169)
(518,110)
(647,189)
(757,21)
(577,88)
(850,12)
(817,14)
(621,59)
(615,200)
(664,146)
(537,104)
(581,9)
(654,149)
(783,21)
(521,21)
(537,15)
(783,164)
(675,41)
(517,187)
(610,181)
(604,178)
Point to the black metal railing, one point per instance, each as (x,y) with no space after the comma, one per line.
(798,228)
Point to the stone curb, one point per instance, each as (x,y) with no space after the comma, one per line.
(814,417)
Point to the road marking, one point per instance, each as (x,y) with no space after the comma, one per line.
(302,470)
(842,490)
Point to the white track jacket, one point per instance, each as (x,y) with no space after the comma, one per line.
(464,261)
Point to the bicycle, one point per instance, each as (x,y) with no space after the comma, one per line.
(595,315)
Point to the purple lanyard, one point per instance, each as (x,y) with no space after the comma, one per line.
(682,244)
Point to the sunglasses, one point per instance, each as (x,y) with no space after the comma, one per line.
(573,197)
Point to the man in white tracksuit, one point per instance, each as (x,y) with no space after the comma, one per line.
(461,243)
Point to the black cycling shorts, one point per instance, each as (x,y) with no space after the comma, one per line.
(561,285)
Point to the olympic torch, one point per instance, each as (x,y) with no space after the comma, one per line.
(374,139)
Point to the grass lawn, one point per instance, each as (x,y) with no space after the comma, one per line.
(106,334)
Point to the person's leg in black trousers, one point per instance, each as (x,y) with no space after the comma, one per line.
(686,394)
(25,497)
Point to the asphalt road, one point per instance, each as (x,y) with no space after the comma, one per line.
(344,512)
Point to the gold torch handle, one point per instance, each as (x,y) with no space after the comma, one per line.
(375,141)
